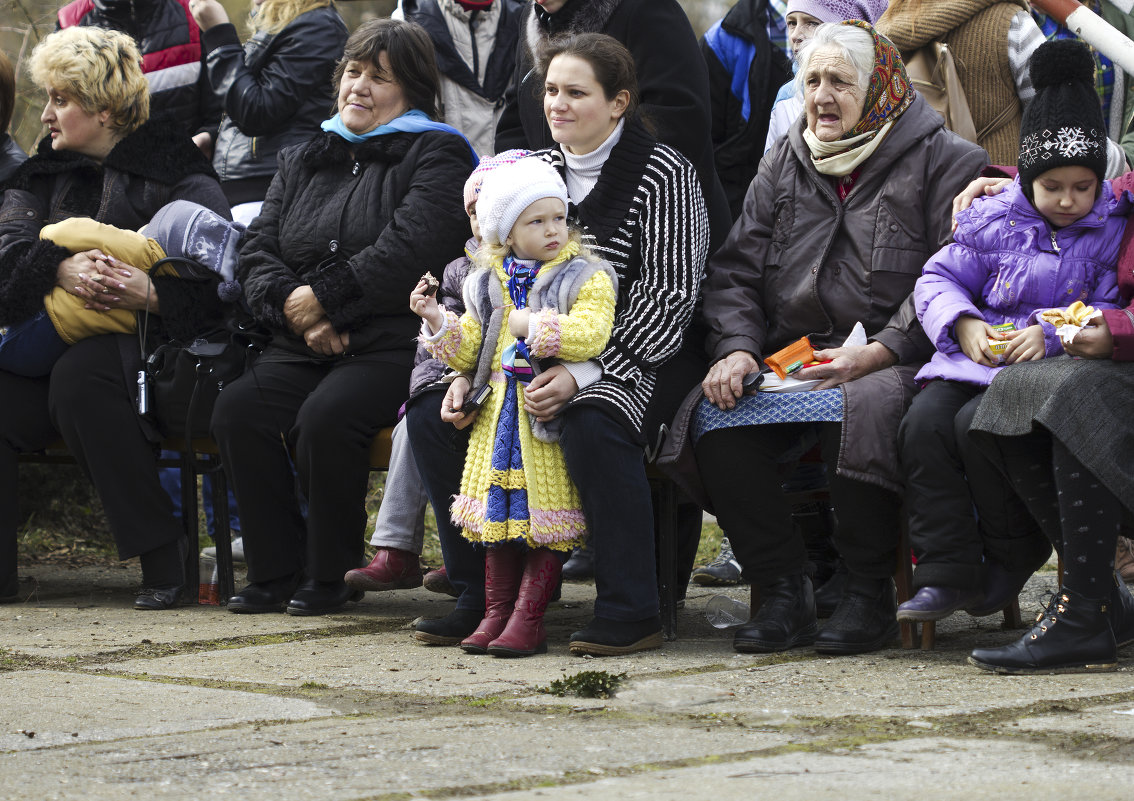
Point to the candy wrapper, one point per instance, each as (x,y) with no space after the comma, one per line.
(1070,321)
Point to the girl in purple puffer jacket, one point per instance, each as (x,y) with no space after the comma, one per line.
(1051,239)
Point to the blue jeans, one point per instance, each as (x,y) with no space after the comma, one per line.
(170,478)
(32,347)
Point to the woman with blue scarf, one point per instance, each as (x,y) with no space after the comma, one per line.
(352,219)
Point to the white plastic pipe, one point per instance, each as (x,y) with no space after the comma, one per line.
(1092,29)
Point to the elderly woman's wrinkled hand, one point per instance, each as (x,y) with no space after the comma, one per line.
(980,187)
(302,309)
(325,340)
(847,363)
(455,399)
(1094,342)
(725,381)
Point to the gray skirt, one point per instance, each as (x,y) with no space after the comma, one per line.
(1087,404)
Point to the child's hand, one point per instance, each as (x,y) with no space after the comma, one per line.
(425,306)
(1026,345)
(972,334)
(518,322)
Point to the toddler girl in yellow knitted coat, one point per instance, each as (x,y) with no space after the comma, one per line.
(535,296)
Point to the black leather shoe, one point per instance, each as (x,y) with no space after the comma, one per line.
(785,619)
(864,620)
(1072,636)
(322,598)
(448,630)
(604,637)
(580,566)
(828,595)
(263,597)
(1120,612)
(152,599)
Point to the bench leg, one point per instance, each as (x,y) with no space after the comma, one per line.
(222,534)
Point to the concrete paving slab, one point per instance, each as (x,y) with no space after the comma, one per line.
(1109,720)
(42,708)
(394,662)
(941,769)
(366,757)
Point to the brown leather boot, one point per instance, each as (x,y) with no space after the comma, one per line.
(525,635)
(503,567)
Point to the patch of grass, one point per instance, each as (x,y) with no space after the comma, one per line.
(314,685)
(586,684)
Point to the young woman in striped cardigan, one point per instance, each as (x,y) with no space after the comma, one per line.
(641,208)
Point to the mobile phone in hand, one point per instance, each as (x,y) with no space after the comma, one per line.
(474,400)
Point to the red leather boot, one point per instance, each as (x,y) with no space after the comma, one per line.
(525,635)
(503,566)
(390,569)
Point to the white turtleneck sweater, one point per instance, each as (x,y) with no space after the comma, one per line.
(583,171)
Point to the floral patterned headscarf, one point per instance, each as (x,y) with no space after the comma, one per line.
(890,91)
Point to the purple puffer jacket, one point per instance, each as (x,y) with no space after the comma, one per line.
(1006,264)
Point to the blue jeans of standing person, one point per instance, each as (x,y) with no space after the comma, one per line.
(31,348)
(171,482)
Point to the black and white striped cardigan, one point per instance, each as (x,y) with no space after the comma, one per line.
(646,216)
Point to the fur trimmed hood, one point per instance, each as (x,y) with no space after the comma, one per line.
(576,16)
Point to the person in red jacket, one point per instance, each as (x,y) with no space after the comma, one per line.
(172,57)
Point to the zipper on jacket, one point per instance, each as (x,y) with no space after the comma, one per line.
(1054,244)
(475,50)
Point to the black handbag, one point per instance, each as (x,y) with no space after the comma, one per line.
(179,382)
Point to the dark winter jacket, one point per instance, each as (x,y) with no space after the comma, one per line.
(428,369)
(149,168)
(801,263)
(11,156)
(360,229)
(172,57)
(673,83)
(745,71)
(275,91)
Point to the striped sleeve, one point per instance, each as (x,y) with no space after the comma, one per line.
(673,247)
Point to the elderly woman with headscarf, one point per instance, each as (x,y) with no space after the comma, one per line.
(836,227)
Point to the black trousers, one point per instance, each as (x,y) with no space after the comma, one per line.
(960,509)
(607,464)
(740,470)
(88,400)
(328,412)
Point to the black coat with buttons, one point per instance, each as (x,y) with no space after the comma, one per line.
(360,227)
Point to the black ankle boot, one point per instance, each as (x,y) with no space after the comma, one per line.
(785,619)
(830,592)
(1120,611)
(448,630)
(1071,636)
(865,619)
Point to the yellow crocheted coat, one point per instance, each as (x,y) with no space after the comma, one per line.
(555,514)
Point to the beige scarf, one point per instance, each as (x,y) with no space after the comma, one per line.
(842,157)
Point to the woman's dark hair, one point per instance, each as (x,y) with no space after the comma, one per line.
(7,92)
(612,64)
(411,54)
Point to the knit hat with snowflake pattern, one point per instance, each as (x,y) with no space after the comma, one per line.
(1063,125)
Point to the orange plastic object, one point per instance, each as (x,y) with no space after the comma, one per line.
(793,357)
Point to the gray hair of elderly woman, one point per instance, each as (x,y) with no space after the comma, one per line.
(854,44)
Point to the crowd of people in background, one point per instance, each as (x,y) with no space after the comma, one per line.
(550,242)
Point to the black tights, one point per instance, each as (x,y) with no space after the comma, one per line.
(1076,511)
